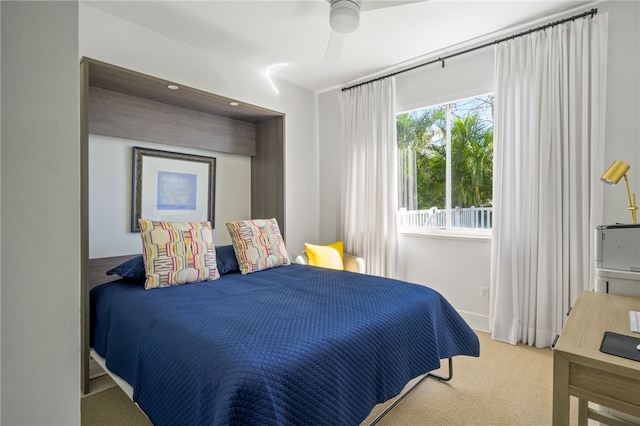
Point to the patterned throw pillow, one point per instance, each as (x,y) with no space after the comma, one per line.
(258,244)
(177,253)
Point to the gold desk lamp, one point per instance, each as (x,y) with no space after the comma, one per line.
(616,171)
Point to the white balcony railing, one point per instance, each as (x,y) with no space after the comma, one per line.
(469,217)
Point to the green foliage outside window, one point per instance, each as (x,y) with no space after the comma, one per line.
(422,153)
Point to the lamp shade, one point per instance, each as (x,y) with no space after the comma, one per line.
(344,16)
(615,172)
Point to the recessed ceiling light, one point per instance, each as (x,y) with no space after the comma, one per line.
(173,87)
(234,103)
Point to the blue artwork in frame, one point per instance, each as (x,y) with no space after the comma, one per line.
(172,186)
(177,191)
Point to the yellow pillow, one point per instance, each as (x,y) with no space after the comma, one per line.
(329,256)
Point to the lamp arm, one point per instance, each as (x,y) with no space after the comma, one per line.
(632,200)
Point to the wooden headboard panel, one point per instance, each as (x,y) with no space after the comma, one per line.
(98,269)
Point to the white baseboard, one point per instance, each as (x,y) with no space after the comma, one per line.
(476,321)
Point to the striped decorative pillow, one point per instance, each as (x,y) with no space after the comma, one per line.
(177,253)
(258,244)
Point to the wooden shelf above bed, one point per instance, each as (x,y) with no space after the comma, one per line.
(127,104)
(132,83)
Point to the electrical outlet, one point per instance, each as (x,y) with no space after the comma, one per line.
(484,293)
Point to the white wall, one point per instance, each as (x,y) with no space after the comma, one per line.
(622,141)
(110,198)
(460,267)
(435,260)
(40,217)
(464,76)
(110,39)
(330,160)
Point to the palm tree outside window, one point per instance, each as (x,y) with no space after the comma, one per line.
(445,155)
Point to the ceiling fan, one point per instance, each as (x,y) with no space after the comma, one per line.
(344,18)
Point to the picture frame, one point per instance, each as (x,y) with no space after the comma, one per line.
(172,186)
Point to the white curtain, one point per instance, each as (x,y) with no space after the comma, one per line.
(370,194)
(548,149)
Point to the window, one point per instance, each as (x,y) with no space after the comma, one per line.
(445,155)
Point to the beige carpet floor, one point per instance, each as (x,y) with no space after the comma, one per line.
(507,385)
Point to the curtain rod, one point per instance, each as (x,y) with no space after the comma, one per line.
(482,46)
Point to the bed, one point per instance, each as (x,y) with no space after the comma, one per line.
(290,345)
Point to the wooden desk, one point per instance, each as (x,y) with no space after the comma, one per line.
(581,370)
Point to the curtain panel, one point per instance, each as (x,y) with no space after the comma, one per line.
(548,157)
(370,199)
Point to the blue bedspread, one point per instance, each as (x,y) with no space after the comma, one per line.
(294,345)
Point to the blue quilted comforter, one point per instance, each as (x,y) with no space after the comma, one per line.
(294,345)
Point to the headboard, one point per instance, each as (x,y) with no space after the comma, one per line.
(98,269)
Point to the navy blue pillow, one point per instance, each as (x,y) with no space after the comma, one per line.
(132,269)
(226,260)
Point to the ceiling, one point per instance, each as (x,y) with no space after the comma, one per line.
(288,39)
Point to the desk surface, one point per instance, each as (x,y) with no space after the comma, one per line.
(580,369)
(593,314)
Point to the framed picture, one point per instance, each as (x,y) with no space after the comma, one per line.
(172,186)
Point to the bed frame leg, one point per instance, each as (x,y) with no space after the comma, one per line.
(442,378)
(401,397)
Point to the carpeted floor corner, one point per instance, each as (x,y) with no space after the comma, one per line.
(507,385)
(111,407)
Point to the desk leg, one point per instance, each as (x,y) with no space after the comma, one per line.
(583,412)
(560,390)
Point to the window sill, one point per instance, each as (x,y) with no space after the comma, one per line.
(453,234)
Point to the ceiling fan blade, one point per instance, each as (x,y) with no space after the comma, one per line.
(380,4)
(334,47)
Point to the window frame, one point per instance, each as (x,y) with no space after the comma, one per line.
(448,231)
